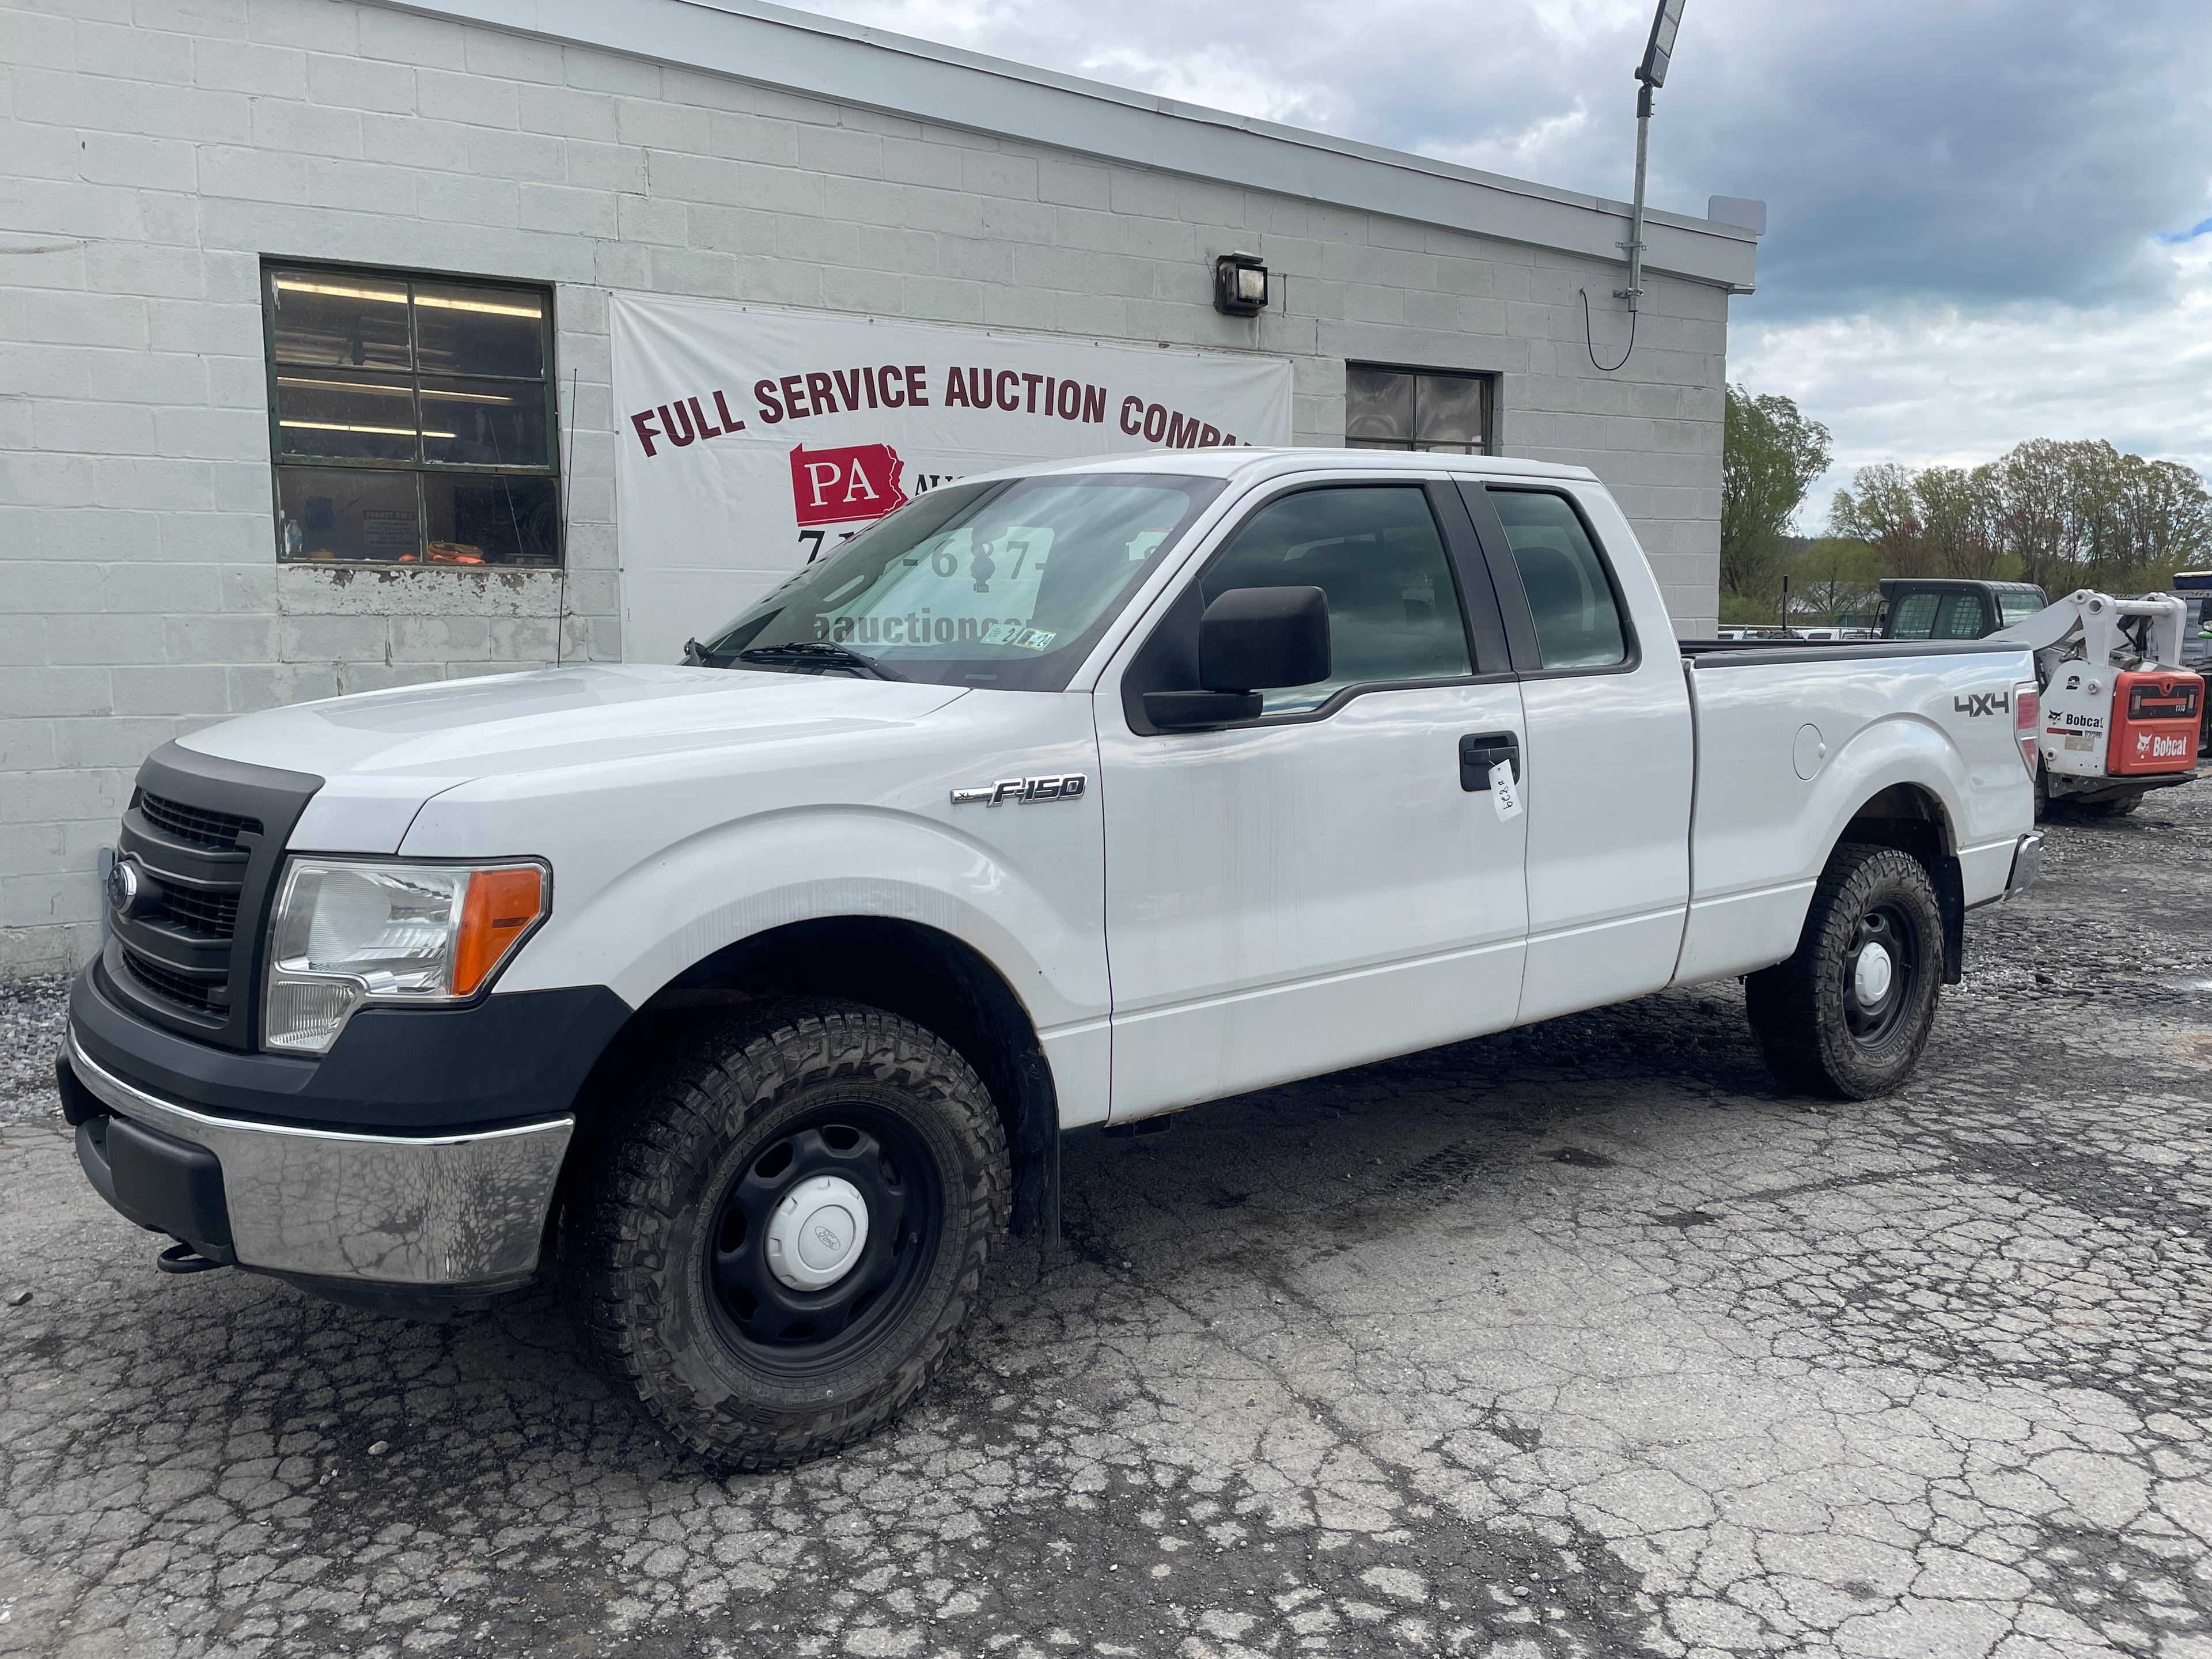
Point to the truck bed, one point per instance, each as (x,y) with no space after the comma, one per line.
(1793,740)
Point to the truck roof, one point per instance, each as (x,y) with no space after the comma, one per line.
(1246,462)
(1955,584)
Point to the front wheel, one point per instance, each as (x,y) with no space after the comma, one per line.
(1848,1015)
(789,1229)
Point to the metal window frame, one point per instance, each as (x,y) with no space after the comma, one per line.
(1513,597)
(1489,380)
(417,468)
(1482,629)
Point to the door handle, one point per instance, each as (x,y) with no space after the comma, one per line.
(1479,752)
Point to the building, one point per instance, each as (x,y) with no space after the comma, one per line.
(189,195)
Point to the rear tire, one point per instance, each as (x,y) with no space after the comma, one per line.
(2104,811)
(695,1262)
(1834,1020)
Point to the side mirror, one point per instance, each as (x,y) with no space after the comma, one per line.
(1249,639)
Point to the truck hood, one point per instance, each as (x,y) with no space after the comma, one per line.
(383,754)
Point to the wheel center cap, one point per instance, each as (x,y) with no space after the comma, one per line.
(817,1232)
(1871,975)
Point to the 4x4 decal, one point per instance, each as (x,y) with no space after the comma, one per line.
(1977,703)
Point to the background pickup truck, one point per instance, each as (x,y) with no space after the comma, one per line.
(756,994)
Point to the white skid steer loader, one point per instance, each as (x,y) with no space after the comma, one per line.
(2118,715)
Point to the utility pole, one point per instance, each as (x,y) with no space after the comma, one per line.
(1651,75)
(1634,291)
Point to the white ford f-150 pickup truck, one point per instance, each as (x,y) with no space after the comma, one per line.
(754,995)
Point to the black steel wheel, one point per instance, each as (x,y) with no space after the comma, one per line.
(872,1260)
(1848,1015)
(1882,963)
(785,1228)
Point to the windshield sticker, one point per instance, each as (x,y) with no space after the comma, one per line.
(1015,633)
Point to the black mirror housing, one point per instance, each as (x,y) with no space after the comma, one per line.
(1252,638)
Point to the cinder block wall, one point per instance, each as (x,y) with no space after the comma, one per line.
(151,151)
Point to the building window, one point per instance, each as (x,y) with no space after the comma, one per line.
(411,418)
(1414,409)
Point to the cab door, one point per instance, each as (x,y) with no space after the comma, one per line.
(1612,754)
(1329,884)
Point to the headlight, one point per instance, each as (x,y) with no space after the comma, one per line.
(347,933)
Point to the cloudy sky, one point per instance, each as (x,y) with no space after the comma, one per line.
(1989,220)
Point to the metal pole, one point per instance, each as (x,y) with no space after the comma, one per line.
(1635,243)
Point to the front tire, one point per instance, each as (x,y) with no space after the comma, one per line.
(789,1230)
(1850,1014)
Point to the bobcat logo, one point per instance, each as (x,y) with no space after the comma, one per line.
(1978,703)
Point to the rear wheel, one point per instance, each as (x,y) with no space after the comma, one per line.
(790,1229)
(1848,1015)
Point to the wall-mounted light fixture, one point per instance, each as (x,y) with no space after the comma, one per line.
(1240,285)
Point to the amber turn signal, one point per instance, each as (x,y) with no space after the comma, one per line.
(500,906)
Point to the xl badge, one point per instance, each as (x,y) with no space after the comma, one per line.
(1023,790)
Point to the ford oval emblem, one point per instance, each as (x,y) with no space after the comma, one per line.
(124,884)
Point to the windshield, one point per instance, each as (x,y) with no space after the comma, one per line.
(1002,585)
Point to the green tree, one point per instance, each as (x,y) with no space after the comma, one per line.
(1961,512)
(2064,515)
(2035,480)
(1834,577)
(1770,455)
(1883,509)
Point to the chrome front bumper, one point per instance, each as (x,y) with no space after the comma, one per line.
(455,1210)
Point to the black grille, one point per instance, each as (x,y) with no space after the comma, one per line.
(179,988)
(206,915)
(209,834)
(196,825)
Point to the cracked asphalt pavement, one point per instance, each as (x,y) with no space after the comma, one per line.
(1579,1340)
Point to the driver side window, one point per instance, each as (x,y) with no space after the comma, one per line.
(1394,611)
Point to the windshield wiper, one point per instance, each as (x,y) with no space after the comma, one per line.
(819,653)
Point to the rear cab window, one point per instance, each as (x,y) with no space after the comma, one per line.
(1962,617)
(1572,599)
(1913,618)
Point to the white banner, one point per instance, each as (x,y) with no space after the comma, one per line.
(752,440)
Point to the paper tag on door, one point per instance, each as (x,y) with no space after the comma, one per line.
(1504,793)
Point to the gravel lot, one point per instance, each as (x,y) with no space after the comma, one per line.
(33,1014)
(1575,1341)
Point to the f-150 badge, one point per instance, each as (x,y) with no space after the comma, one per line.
(1022,791)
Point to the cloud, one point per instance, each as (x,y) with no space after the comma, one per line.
(1943,383)
(1961,150)
(1975,207)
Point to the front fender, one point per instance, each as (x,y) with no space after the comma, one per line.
(647,924)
